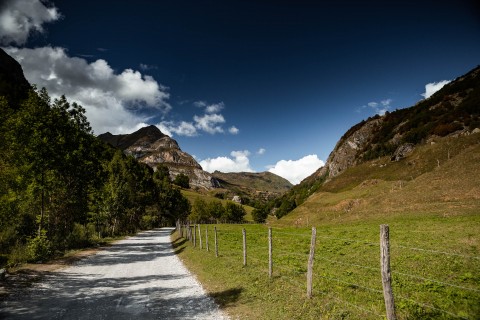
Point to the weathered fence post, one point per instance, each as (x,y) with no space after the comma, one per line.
(385,270)
(200,236)
(194,235)
(244,233)
(310,263)
(216,243)
(206,237)
(270,258)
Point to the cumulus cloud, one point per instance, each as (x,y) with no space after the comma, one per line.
(210,123)
(233,130)
(261,151)
(431,88)
(238,162)
(181,128)
(110,98)
(20,18)
(378,107)
(297,170)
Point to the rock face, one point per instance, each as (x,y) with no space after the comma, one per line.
(451,111)
(13,84)
(346,151)
(150,146)
(402,151)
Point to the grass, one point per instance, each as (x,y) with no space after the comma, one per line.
(435,270)
(430,200)
(347,283)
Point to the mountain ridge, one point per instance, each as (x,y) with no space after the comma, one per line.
(454,110)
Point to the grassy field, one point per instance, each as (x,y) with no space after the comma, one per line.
(435,269)
(430,200)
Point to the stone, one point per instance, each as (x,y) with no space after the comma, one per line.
(403,151)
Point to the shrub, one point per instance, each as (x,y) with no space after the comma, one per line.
(39,247)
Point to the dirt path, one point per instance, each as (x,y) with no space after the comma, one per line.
(136,278)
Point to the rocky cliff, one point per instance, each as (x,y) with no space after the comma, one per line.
(453,110)
(149,145)
(13,84)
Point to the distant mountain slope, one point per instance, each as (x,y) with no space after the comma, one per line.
(452,111)
(262,185)
(13,84)
(439,178)
(149,145)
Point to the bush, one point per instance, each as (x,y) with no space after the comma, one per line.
(81,236)
(39,248)
(182,181)
(260,215)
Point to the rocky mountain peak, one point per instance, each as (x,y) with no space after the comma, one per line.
(13,84)
(150,146)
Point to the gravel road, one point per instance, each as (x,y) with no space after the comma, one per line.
(136,278)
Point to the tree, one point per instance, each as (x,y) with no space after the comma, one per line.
(260,214)
(182,181)
(200,213)
(234,212)
(216,209)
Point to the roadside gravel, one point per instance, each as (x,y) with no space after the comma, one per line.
(136,278)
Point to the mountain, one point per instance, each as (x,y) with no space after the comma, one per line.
(453,111)
(149,145)
(259,186)
(13,84)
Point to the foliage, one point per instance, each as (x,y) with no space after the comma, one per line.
(260,214)
(61,187)
(182,181)
(39,247)
(233,212)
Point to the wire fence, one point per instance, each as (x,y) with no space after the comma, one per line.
(347,271)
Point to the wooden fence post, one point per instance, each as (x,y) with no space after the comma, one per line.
(244,233)
(216,243)
(270,258)
(194,235)
(206,237)
(200,237)
(310,263)
(385,270)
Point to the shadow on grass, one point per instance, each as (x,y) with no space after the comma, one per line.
(227,297)
(178,245)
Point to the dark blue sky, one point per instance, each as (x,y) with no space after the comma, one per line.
(292,76)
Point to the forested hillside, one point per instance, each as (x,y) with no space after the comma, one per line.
(60,186)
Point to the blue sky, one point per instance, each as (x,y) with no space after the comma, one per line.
(242,85)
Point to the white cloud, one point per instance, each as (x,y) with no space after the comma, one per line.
(261,151)
(431,88)
(108,97)
(297,170)
(238,162)
(200,104)
(214,108)
(233,130)
(379,107)
(209,122)
(19,18)
(145,67)
(181,128)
